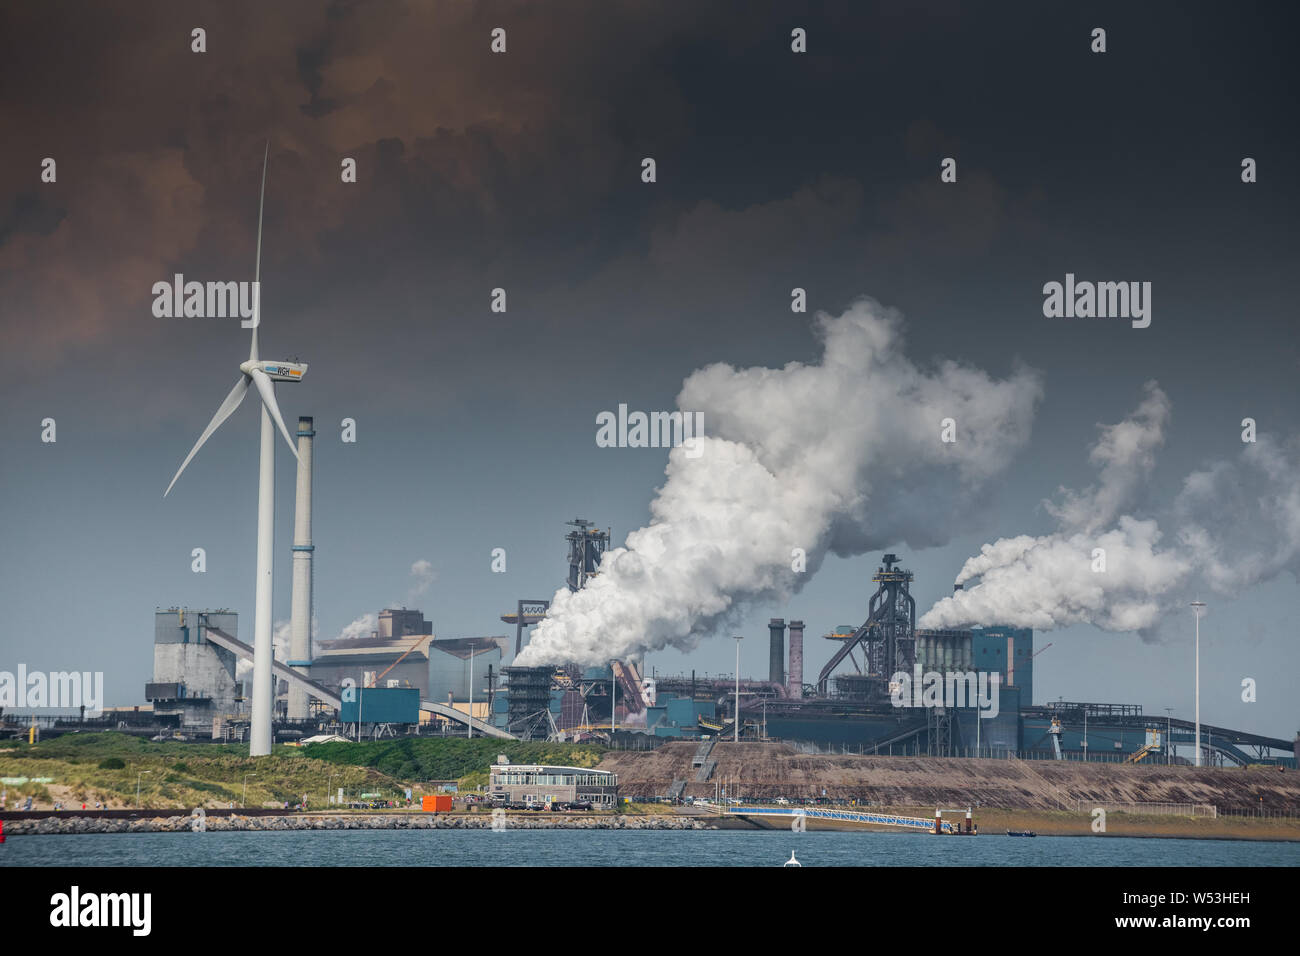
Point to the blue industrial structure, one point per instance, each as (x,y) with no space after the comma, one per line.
(382,705)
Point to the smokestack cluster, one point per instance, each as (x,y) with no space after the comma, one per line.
(796,660)
(300,607)
(776,655)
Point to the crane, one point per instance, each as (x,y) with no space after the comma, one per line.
(400,659)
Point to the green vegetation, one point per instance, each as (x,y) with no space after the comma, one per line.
(89,768)
(108,767)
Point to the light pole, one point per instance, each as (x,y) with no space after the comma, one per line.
(244,802)
(1197,607)
(736,737)
(1169,735)
(137,786)
(469,724)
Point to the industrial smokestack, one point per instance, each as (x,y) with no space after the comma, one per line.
(796,659)
(776,668)
(300,613)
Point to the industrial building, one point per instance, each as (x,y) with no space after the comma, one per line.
(850,705)
(374,662)
(194,687)
(464,685)
(533,784)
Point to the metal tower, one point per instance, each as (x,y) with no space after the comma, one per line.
(585,549)
(888,636)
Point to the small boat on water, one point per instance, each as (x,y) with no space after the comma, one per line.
(1025,833)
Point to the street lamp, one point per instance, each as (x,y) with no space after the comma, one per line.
(244,802)
(1197,608)
(137,786)
(736,737)
(1169,735)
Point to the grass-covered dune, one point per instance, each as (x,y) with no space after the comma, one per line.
(106,767)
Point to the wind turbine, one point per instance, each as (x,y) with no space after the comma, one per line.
(262,374)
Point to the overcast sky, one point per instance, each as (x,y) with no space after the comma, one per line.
(522,170)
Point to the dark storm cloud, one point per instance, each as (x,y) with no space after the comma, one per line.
(449,140)
(32,213)
(521,170)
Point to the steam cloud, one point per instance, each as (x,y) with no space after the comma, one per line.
(1238,521)
(361,627)
(422,575)
(280,637)
(842,457)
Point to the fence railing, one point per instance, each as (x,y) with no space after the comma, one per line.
(1150,809)
(1261,814)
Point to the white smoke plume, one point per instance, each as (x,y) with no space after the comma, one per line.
(842,456)
(363,626)
(422,575)
(1239,524)
(1125,455)
(280,637)
(1243,519)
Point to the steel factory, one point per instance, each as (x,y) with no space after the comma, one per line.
(404,679)
(888,687)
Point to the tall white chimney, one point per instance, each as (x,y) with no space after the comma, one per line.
(300,614)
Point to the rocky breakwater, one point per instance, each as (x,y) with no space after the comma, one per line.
(379,821)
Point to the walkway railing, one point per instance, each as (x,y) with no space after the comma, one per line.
(848,816)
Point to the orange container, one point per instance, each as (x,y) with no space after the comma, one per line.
(436,803)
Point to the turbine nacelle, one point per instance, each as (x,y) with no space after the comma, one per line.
(276,371)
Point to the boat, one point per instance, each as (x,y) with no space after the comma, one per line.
(1024,833)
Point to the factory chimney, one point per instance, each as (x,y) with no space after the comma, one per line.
(796,659)
(776,667)
(300,608)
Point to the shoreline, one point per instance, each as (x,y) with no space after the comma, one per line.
(993,823)
(182,822)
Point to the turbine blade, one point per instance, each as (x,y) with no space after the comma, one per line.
(266,389)
(229,405)
(257,272)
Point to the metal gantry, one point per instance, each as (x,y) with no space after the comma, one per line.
(587,545)
(887,637)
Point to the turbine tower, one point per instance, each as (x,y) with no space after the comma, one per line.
(262,374)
